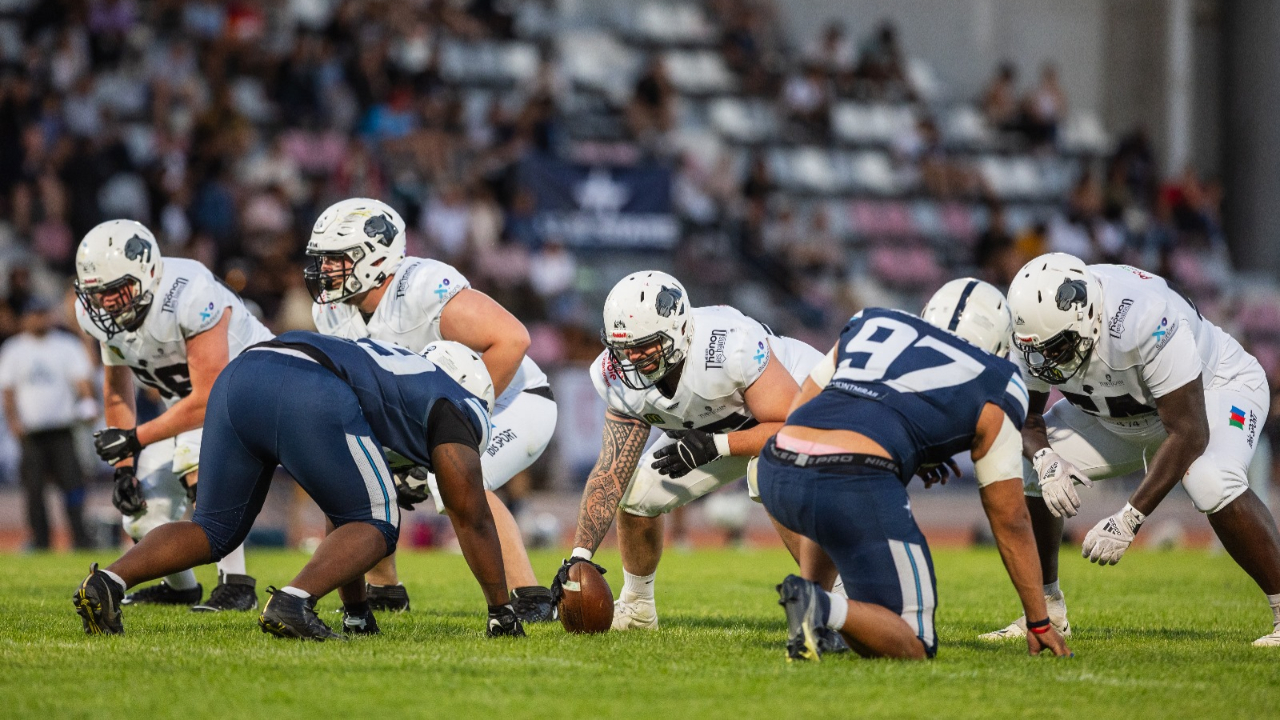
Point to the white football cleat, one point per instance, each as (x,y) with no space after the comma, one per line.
(1018,629)
(635,613)
(1272,640)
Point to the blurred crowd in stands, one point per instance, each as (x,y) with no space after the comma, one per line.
(807,181)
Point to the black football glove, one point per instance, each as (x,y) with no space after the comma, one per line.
(127,496)
(503,622)
(115,444)
(411,487)
(691,449)
(562,577)
(190,487)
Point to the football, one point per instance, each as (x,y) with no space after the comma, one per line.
(587,605)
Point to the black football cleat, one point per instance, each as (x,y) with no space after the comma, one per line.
(97,601)
(289,616)
(359,623)
(234,592)
(387,598)
(503,622)
(831,642)
(533,604)
(164,594)
(805,614)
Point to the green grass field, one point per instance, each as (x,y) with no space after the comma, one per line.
(1162,634)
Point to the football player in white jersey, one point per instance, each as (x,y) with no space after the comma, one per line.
(364,286)
(1148,385)
(718,382)
(172,325)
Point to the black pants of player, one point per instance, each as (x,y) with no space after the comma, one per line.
(51,454)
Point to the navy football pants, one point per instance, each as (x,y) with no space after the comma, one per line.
(862,518)
(268,408)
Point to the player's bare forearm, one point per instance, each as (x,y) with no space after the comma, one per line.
(620,452)
(207,354)
(503,359)
(459,477)
(1035,434)
(186,414)
(1011,526)
(1187,423)
(118,407)
(477,321)
(751,441)
(11,412)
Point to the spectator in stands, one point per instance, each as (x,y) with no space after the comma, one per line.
(995,254)
(1082,230)
(44,380)
(833,51)
(1044,108)
(806,100)
(882,66)
(651,111)
(1000,99)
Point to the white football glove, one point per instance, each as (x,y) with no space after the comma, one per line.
(1057,482)
(1106,542)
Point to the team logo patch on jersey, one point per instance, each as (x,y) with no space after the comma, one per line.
(1237,417)
(1164,333)
(207,313)
(1071,292)
(380,228)
(170,303)
(135,248)
(668,301)
(1116,326)
(653,419)
(1139,273)
(762,354)
(715,349)
(442,290)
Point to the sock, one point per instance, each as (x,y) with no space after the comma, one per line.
(119,580)
(1275,607)
(839,611)
(296,592)
(1052,589)
(184,580)
(233,563)
(639,587)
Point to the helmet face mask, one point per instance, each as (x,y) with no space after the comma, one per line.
(355,245)
(1057,359)
(331,276)
(118,273)
(646,328)
(643,371)
(117,306)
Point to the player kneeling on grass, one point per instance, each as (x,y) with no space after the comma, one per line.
(323,408)
(898,394)
(718,382)
(1147,385)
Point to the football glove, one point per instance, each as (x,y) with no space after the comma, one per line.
(691,449)
(190,487)
(127,495)
(503,622)
(115,445)
(562,577)
(1057,482)
(1106,542)
(411,487)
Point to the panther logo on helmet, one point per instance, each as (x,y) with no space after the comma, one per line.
(381,228)
(668,301)
(137,248)
(1071,292)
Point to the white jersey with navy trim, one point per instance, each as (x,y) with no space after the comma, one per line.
(728,353)
(189,301)
(1153,341)
(409,315)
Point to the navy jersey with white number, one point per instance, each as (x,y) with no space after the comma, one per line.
(915,389)
(397,388)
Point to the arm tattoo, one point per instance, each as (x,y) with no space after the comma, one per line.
(619,453)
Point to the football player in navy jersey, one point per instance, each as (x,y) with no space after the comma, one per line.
(895,396)
(324,408)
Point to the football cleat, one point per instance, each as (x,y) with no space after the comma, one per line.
(504,623)
(831,642)
(389,598)
(635,613)
(1272,640)
(359,623)
(234,592)
(164,594)
(289,616)
(97,601)
(1018,628)
(806,605)
(533,604)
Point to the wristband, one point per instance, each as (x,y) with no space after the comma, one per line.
(583,553)
(722,443)
(1039,627)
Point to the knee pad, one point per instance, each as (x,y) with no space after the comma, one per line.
(1213,484)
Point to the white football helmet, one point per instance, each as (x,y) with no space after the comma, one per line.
(644,309)
(118,270)
(463,365)
(355,246)
(974,310)
(1057,317)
